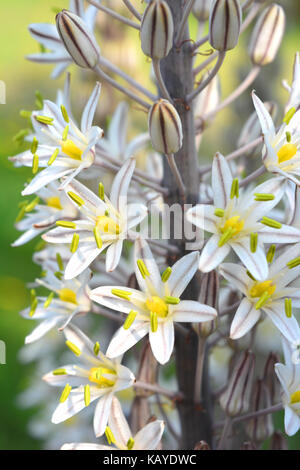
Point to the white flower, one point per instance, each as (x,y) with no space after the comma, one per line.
(66,300)
(239,221)
(155,308)
(47,35)
(274,295)
(289,377)
(61,147)
(281,154)
(119,434)
(37,218)
(105,223)
(97,378)
(294,89)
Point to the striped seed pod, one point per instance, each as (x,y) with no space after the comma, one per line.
(77,39)
(224,24)
(157,30)
(201,9)
(165,127)
(260,428)
(235,399)
(267,35)
(209,296)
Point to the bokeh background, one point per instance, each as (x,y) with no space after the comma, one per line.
(22,79)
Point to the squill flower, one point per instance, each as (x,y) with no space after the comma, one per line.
(59,145)
(119,434)
(154,309)
(294,89)
(97,378)
(104,224)
(272,295)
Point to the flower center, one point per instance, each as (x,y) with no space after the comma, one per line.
(234,224)
(106,224)
(96,376)
(286,152)
(67,295)
(54,202)
(157,305)
(69,148)
(260,288)
(295,397)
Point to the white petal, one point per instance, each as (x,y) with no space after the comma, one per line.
(285,234)
(117,130)
(162,341)
(125,378)
(244,319)
(113,255)
(203,216)
(85,446)
(45,34)
(149,436)
(289,327)
(221,181)
(126,339)
(118,423)
(45,177)
(212,254)
(291,421)
(256,262)
(182,273)
(236,275)
(42,329)
(135,214)
(103,296)
(192,311)
(82,258)
(73,404)
(90,109)
(102,412)
(118,194)
(264,117)
(92,202)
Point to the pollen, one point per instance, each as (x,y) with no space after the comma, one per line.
(233,225)
(69,148)
(67,295)
(286,152)
(54,202)
(295,397)
(107,225)
(157,305)
(96,376)
(260,288)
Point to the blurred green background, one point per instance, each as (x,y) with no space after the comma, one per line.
(22,78)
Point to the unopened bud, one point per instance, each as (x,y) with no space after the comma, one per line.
(77,39)
(209,296)
(157,29)
(224,24)
(165,127)
(260,428)
(267,35)
(201,9)
(235,399)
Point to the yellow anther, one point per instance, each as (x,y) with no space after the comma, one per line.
(288,307)
(49,300)
(101,191)
(293,263)
(29,207)
(77,199)
(73,348)
(263,197)
(295,397)
(98,239)
(260,288)
(121,293)
(96,376)
(271,253)
(142,268)
(158,306)
(59,275)
(232,227)
(166,274)
(234,192)
(129,320)
(253,242)
(96,348)
(75,243)
(172,300)
(53,157)
(65,133)
(59,261)
(109,436)
(35,163)
(67,295)
(66,392)
(286,152)
(54,202)
(34,145)
(64,112)
(153,322)
(69,148)
(87,395)
(65,224)
(107,225)
(130,443)
(59,372)
(44,120)
(271,222)
(262,301)
(288,116)
(219,212)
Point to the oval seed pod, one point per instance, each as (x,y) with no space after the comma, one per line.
(201,9)
(224,24)
(267,35)
(157,30)
(77,39)
(209,296)
(165,127)
(260,428)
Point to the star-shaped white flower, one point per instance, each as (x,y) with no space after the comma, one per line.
(275,295)
(281,154)
(61,147)
(96,378)
(46,34)
(294,89)
(119,434)
(37,217)
(66,300)
(104,224)
(289,377)
(238,220)
(154,309)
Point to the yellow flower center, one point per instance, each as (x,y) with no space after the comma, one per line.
(54,201)
(157,305)
(260,288)
(286,152)
(96,376)
(295,397)
(106,224)
(67,295)
(69,148)
(235,224)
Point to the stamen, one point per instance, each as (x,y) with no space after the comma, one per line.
(288,307)
(49,300)
(153,321)
(45,120)
(234,192)
(65,133)
(65,224)
(270,222)
(96,348)
(109,435)
(101,191)
(19,137)
(77,199)
(286,152)
(225,237)
(32,204)
(121,293)
(130,443)
(293,263)
(143,268)
(250,275)
(289,115)
(59,372)
(263,197)
(288,136)
(64,112)
(59,262)
(219,212)
(73,348)
(98,239)
(263,299)
(59,275)
(271,253)
(34,146)
(75,243)
(87,395)
(253,242)
(34,305)
(166,274)
(66,392)
(53,157)
(20,214)
(35,164)
(172,300)
(129,320)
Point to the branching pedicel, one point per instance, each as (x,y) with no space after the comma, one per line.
(191,305)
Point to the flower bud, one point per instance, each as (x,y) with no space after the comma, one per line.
(224,24)
(260,428)
(209,296)
(77,39)
(157,29)
(267,35)
(165,127)
(201,9)
(235,399)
